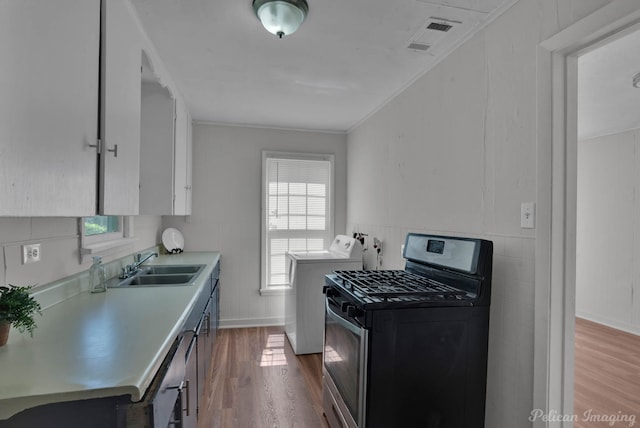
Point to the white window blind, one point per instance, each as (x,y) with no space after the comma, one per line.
(297,215)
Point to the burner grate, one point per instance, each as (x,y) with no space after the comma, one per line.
(396,285)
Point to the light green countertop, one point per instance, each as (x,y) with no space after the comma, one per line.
(98,345)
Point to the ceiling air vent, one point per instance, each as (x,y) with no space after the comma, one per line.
(432,34)
(418,46)
(437,26)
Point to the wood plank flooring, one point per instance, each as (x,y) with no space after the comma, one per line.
(258,382)
(607,376)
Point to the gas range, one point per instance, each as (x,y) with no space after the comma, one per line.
(409,347)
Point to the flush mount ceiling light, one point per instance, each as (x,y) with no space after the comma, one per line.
(636,81)
(281,17)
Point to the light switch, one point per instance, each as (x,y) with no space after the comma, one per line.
(528,215)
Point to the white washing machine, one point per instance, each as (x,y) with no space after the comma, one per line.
(304,300)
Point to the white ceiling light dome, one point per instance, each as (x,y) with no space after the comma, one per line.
(281,17)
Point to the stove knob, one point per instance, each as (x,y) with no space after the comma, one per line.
(329,291)
(352,311)
(349,309)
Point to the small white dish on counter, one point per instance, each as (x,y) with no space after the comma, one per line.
(173,240)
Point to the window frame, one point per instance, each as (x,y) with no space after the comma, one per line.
(105,243)
(265,288)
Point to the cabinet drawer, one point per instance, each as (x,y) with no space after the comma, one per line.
(156,407)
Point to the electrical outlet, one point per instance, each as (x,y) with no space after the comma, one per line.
(30,253)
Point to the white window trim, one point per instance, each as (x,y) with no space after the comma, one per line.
(107,243)
(266,154)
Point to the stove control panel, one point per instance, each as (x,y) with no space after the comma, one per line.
(446,252)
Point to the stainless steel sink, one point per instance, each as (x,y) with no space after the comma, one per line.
(156,280)
(171,269)
(159,276)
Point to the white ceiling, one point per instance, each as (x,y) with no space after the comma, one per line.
(346,60)
(607,102)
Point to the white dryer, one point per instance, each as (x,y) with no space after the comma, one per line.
(304,301)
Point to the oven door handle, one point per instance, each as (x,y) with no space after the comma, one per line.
(343,322)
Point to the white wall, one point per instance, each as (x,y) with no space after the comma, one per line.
(455,153)
(608,232)
(227,163)
(59,241)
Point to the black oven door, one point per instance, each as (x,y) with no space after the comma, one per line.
(345,362)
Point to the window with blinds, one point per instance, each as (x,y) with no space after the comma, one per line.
(297,213)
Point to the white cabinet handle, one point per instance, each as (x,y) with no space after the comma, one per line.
(98,145)
(114,150)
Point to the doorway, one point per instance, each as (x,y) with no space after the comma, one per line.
(606,381)
(557,194)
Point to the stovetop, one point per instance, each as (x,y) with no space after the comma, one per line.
(395,286)
(440,271)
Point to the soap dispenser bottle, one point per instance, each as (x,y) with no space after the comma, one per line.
(97,276)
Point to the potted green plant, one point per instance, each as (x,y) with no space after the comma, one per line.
(17,308)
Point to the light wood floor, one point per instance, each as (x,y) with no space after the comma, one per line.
(258,382)
(607,376)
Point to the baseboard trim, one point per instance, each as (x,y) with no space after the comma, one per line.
(252,322)
(617,325)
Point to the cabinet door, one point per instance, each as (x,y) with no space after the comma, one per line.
(204,352)
(189,399)
(120,127)
(180,188)
(215,313)
(189,165)
(156,164)
(48,109)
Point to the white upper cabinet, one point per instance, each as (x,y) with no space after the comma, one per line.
(189,196)
(156,162)
(49,63)
(70,113)
(165,164)
(182,161)
(120,105)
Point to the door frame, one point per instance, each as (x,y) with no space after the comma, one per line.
(556,157)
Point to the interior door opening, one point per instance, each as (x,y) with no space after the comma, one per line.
(557,194)
(607,324)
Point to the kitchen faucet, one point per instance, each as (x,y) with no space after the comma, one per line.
(131,269)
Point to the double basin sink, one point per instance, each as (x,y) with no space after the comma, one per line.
(159,276)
